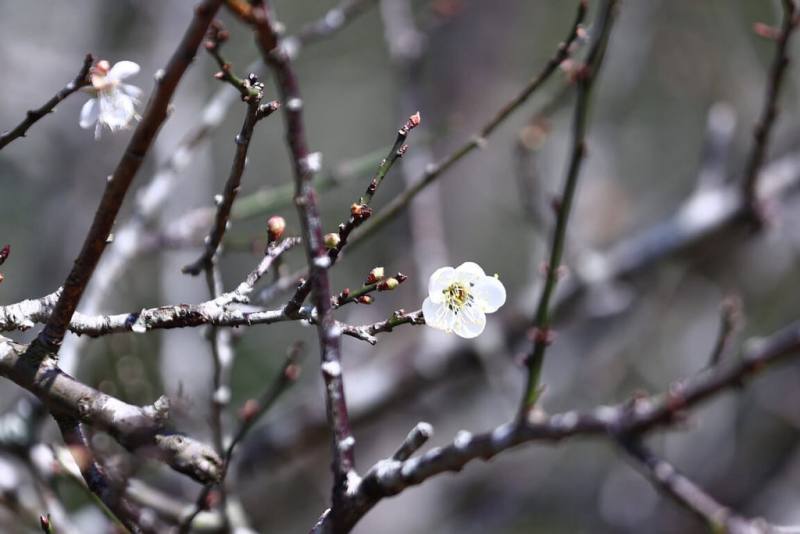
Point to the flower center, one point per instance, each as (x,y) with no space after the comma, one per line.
(456,296)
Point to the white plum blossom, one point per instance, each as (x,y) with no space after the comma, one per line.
(114,102)
(459,299)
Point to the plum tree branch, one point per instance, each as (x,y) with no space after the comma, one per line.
(96,240)
(33,115)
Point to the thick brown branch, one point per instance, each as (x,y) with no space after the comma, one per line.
(304,165)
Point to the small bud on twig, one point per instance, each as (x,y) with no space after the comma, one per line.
(276,225)
(375,275)
(766,31)
(249,410)
(44,522)
(365,299)
(360,212)
(331,240)
(388,284)
(4,252)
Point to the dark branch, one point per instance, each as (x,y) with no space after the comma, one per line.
(97,238)
(33,115)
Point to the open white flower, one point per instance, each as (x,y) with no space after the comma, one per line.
(114,104)
(459,299)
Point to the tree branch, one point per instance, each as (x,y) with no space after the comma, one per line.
(33,115)
(769,112)
(585,82)
(96,239)
(139,429)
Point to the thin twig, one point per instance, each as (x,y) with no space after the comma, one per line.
(97,237)
(250,413)
(33,115)
(434,171)
(586,77)
(232,185)
(769,112)
(361,210)
(729,322)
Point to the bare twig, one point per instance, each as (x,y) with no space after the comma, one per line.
(770,110)
(729,322)
(688,494)
(331,22)
(434,171)
(361,211)
(96,239)
(585,82)
(253,113)
(33,115)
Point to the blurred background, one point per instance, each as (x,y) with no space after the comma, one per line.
(681,88)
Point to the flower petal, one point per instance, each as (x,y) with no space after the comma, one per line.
(122,70)
(439,281)
(88,114)
(470,323)
(116,110)
(489,294)
(131,90)
(437,315)
(469,272)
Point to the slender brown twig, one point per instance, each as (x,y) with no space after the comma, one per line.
(118,183)
(33,115)
(433,172)
(585,81)
(360,211)
(254,112)
(769,112)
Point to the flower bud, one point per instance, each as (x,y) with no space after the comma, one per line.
(44,522)
(249,410)
(4,252)
(276,225)
(365,299)
(375,275)
(388,284)
(331,240)
(360,212)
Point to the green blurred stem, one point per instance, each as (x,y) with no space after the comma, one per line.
(585,82)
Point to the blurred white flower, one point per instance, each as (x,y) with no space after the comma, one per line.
(114,102)
(459,299)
